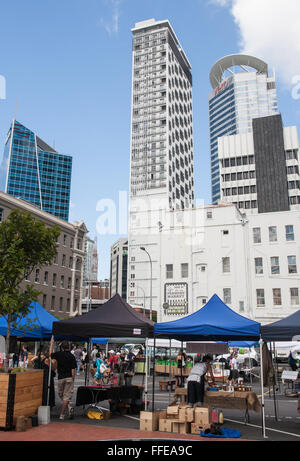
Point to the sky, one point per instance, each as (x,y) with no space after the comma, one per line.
(66,66)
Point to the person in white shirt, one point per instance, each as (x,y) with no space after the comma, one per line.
(196,382)
(234,368)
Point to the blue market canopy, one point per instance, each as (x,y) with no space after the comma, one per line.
(214,322)
(282,330)
(37,324)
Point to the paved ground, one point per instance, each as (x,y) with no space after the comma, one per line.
(285,428)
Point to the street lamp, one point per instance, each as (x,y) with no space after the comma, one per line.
(144,249)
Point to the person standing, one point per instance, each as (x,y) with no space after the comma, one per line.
(181,359)
(292,362)
(66,366)
(24,357)
(234,368)
(196,381)
(77,352)
(94,355)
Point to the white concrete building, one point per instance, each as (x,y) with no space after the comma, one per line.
(90,264)
(118,268)
(198,252)
(161,121)
(242,90)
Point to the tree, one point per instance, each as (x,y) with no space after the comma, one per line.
(25,244)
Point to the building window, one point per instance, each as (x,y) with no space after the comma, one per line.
(37,276)
(53,303)
(76,284)
(277,296)
(294,296)
(71,262)
(241,306)
(292,266)
(256,235)
(226,264)
(46,278)
(78,264)
(71,242)
(132,276)
(68,305)
(55,259)
(1,214)
(289,233)
(184,270)
(169,271)
(65,239)
(63,260)
(62,281)
(44,300)
(203,268)
(275,269)
(209,215)
(272,234)
(227,295)
(259,266)
(54,280)
(79,243)
(69,283)
(260,297)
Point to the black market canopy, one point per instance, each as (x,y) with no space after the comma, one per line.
(213,322)
(282,330)
(115,318)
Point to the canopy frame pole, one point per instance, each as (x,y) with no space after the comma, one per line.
(87,365)
(262,389)
(153,380)
(146,373)
(49,377)
(181,380)
(274,380)
(170,384)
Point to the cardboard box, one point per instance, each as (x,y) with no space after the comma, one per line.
(173,412)
(149,420)
(180,427)
(186,413)
(196,428)
(202,415)
(165,425)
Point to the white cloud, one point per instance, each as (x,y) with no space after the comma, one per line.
(270,30)
(112,25)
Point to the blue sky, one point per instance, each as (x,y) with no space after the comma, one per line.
(68,64)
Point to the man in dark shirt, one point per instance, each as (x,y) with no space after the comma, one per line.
(66,366)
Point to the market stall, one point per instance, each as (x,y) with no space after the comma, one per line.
(213,322)
(115,318)
(286,329)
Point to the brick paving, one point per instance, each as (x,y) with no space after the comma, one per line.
(67,432)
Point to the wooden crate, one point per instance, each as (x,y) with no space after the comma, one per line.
(21,394)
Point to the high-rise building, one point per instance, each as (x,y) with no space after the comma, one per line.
(118,268)
(242,90)
(162,159)
(162,124)
(259,170)
(34,171)
(90,264)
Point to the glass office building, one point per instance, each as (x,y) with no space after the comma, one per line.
(242,90)
(34,171)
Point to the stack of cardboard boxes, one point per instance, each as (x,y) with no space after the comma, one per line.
(180,419)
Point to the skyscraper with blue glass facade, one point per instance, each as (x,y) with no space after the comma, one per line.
(242,91)
(34,171)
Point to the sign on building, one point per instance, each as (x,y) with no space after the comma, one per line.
(176,299)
